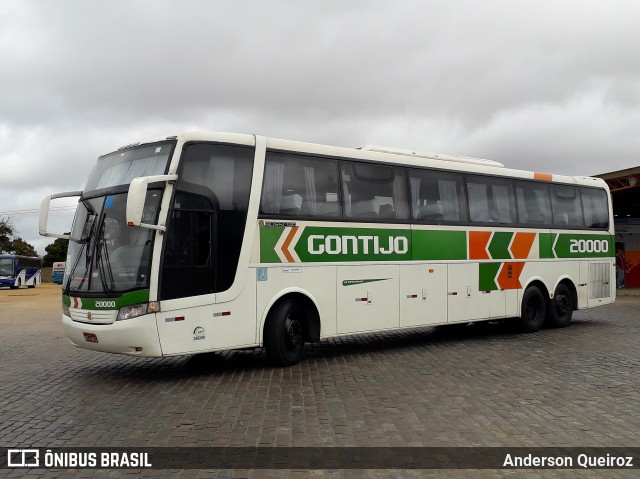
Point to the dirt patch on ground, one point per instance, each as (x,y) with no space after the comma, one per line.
(31,307)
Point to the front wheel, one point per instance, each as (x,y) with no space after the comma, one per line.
(284,334)
(560,307)
(533,311)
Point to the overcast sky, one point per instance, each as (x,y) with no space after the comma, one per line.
(538,85)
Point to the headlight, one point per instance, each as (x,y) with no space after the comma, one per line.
(65,310)
(135,310)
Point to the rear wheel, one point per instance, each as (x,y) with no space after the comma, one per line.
(560,307)
(284,334)
(533,311)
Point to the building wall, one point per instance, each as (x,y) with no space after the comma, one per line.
(628,233)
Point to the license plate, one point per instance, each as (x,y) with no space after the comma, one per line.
(90,337)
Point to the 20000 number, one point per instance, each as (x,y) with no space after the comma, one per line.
(588,246)
(105,304)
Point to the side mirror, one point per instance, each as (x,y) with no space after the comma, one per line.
(44,213)
(136,197)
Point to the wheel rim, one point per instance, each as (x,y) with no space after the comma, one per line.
(292,334)
(532,309)
(562,304)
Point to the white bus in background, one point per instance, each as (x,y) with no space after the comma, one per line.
(57,271)
(210,241)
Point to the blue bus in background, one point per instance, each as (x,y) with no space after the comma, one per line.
(58,272)
(16,271)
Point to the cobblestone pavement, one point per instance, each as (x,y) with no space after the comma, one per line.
(484,386)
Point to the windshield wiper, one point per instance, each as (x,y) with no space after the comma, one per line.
(83,242)
(103,263)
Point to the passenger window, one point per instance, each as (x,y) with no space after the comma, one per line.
(375,192)
(596,208)
(491,200)
(437,197)
(534,204)
(567,211)
(297,185)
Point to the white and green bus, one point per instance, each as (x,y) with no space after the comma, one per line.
(212,241)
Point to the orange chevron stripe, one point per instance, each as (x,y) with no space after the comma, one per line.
(287,242)
(521,245)
(509,276)
(478,244)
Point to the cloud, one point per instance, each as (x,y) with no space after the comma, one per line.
(546,86)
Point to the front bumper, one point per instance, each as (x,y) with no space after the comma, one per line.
(135,337)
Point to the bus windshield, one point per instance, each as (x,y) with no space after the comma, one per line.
(120,167)
(6,266)
(105,255)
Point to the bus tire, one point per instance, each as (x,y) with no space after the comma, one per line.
(560,308)
(17,285)
(284,334)
(533,311)
(35,282)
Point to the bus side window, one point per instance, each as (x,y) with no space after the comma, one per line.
(491,200)
(437,197)
(297,185)
(376,192)
(567,210)
(596,207)
(534,203)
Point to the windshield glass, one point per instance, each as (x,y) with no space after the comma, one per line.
(120,167)
(105,255)
(6,266)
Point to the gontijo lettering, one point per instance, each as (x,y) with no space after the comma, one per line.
(334,244)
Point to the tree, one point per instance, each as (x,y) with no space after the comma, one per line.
(21,247)
(56,252)
(6,233)
(12,244)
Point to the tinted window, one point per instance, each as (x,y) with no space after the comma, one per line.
(596,208)
(437,197)
(491,200)
(534,204)
(567,209)
(375,192)
(206,226)
(300,186)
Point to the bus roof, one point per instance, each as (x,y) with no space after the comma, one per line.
(384,154)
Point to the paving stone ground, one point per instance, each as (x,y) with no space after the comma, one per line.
(484,386)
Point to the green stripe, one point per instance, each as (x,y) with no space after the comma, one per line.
(268,239)
(351,282)
(559,245)
(499,246)
(132,297)
(439,245)
(319,244)
(487,276)
(545,242)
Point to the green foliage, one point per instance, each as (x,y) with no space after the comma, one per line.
(21,247)
(12,244)
(6,234)
(56,252)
